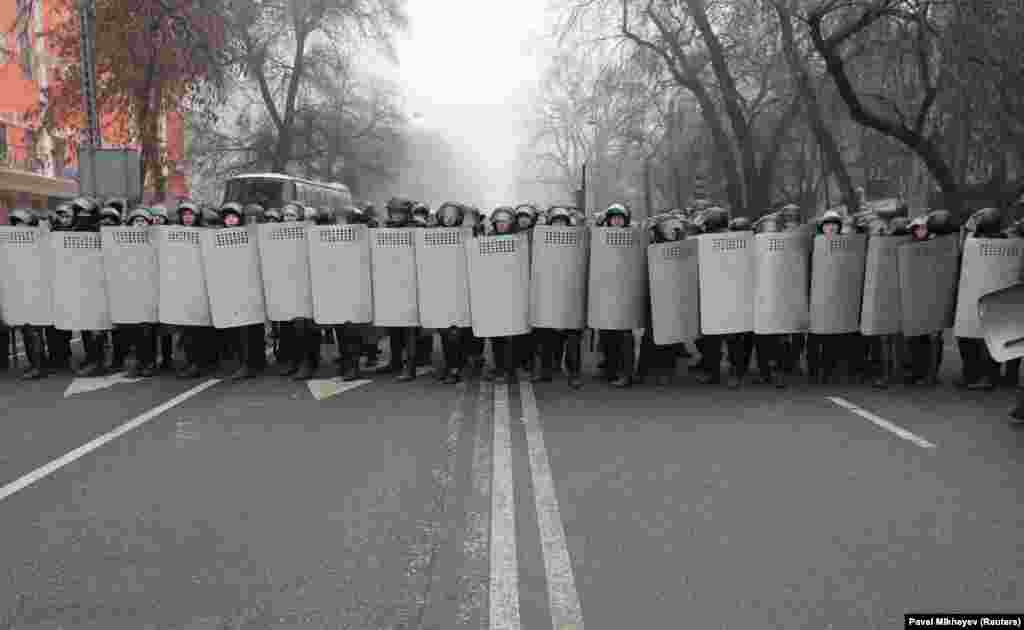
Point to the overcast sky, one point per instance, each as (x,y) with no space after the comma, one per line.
(467,67)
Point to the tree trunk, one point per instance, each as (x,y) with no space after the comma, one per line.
(826,140)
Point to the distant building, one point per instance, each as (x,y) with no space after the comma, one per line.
(38,170)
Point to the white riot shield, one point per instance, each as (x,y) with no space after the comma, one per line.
(231,259)
(781,303)
(617,286)
(499,285)
(339,267)
(393,260)
(558,277)
(880,312)
(26,282)
(988,264)
(837,283)
(442,278)
(675,291)
(727,276)
(79,284)
(928,276)
(284,266)
(1001,314)
(184,300)
(129,259)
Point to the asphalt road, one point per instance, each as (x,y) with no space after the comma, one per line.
(417,505)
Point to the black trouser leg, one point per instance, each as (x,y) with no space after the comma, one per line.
(32,337)
(121,341)
(499,346)
(968,360)
(738,351)
(1011,377)
(58,343)
(769,350)
(142,340)
(5,347)
(711,355)
(424,347)
(453,345)
(573,344)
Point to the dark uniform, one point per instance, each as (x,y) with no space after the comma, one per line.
(770,349)
(87,217)
(31,336)
(555,345)
(980,370)
(659,361)
(198,343)
(713,220)
(824,351)
(926,350)
(526,218)
(120,335)
(619,346)
(58,342)
(505,348)
(454,339)
(298,340)
(403,339)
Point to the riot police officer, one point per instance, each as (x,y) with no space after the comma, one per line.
(620,364)
(120,335)
(824,351)
(980,370)
(250,340)
(770,349)
(58,342)
(454,339)
(526,218)
(505,348)
(554,345)
(31,336)
(199,344)
(654,359)
(712,220)
(87,219)
(403,339)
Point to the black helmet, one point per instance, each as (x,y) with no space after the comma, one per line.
(899,226)
(292,212)
(941,222)
(253,213)
(118,203)
(23,217)
(714,219)
(666,228)
(768,223)
(506,214)
(398,205)
(740,224)
(987,222)
(109,216)
(86,212)
(138,213)
(273,215)
(451,209)
(619,209)
(527,210)
(558,213)
(231,208)
(326,215)
(158,213)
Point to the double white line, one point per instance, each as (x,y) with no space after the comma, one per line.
(566,613)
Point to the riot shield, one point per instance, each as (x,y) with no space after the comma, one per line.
(184,300)
(837,283)
(393,260)
(988,264)
(675,291)
(79,284)
(781,298)
(928,276)
(617,285)
(284,266)
(442,278)
(339,268)
(558,277)
(880,312)
(727,276)
(231,259)
(129,260)
(26,282)
(1001,317)
(499,285)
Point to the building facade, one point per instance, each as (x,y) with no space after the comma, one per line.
(37,169)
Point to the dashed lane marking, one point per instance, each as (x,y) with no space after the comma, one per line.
(504,595)
(563,597)
(85,449)
(882,422)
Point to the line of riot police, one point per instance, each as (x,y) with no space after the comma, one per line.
(542,350)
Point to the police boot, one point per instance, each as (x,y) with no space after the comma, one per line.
(350,359)
(244,371)
(166,352)
(1011,377)
(309,338)
(119,348)
(92,344)
(34,351)
(424,349)
(1018,412)
(408,368)
(6,347)
(628,361)
(287,344)
(396,343)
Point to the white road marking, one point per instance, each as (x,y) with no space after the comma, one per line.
(504,609)
(330,387)
(96,383)
(473,579)
(64,460)
(562,595)
(882,422)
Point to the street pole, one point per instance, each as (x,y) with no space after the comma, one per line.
(87,43)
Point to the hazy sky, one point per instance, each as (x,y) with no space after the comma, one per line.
(467,67)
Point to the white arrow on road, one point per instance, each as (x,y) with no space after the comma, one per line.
(92,384)
(330,387)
